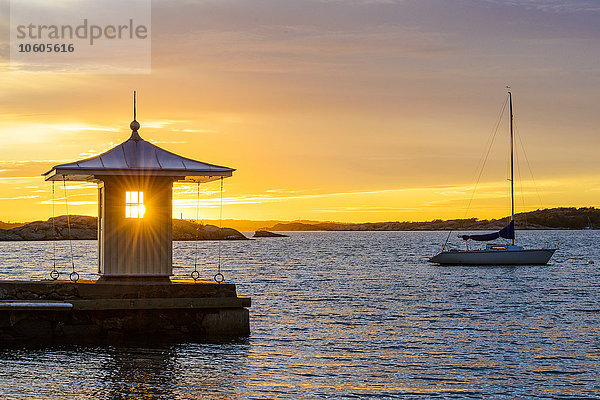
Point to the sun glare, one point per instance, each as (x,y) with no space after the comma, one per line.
(134,205)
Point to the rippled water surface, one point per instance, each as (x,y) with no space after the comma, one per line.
(346,315)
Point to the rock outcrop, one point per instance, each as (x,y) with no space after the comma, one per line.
(86,228)
(267,234)
(190,230)
(82,228)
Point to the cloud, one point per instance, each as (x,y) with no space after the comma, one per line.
(167,141)
(264,198)
(553,6)
(19,197)
(19,179)
(197,130)
(365,209)
(36,133)
(271,197)
(71,203)
(414,199)
(308,37)
(160,124)
(73,127)
(28,169)
(306,49)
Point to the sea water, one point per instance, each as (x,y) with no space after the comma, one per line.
(343,315)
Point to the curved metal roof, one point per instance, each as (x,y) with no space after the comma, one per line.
(136,157)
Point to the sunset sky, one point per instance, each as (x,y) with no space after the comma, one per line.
(358,110)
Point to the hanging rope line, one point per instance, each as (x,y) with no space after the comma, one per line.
(522,192)
(219,276)
(487,153)
(529,167)
(507,198)
(74,276)
(54,274)
(195,274)
(482,161)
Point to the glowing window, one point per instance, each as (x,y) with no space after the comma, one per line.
(134,205)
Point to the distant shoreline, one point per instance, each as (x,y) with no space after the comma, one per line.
(563,218)
(567,218)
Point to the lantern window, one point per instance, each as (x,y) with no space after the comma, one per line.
(134,205)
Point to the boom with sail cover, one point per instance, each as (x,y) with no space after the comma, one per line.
(508,232)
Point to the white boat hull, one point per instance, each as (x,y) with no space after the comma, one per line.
(494,257)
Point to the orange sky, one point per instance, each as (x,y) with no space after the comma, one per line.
(329,110)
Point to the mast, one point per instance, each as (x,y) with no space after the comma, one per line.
(512,181)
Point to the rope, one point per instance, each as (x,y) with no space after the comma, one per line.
(529,166)
(482,161)
(219,276)
(507,198)
(522,192)
(195,274)
(486,156)
(54,274)
(74,276)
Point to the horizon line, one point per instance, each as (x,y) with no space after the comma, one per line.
(325,221)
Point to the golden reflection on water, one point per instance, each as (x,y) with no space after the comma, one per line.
(139,373)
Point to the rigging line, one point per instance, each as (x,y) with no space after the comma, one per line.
(53,229)
(522,193)
(482,161)
(509,183)
(197,226)
(195,274)
(486,157)
(507,200)
(53,274)
(68,223)
(490,138)
(220,226)
(529,167)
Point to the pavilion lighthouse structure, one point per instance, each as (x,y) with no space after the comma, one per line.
(135,203)
(134,299)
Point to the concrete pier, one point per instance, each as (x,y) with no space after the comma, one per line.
(120,310)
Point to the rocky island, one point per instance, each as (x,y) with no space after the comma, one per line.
(267,234)
(86,228)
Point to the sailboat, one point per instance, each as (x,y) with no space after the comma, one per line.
(497,254)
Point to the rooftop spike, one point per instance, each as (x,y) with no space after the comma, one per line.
(134,124)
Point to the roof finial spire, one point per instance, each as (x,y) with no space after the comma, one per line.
(134,124)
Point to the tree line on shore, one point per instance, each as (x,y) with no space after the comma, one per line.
(552,218)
